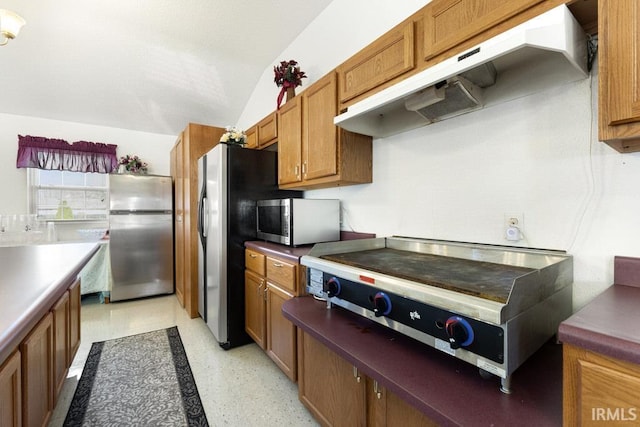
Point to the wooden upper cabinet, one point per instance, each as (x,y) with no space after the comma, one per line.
(290,142)
(619,73)
(312,151)
(386,58)
(268,130)
(447,23)
(320,135)
(252,137)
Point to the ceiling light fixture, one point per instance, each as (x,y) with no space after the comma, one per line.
(10,25)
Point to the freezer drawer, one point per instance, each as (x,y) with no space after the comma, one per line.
(141,252)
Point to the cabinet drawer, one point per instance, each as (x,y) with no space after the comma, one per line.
(282,273)
(254,261)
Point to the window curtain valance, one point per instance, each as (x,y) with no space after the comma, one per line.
(58,154)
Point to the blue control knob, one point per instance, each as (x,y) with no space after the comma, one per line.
(381,304)
(332,287)
(459,331)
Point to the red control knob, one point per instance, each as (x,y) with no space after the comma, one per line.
(381,304)
(459,331)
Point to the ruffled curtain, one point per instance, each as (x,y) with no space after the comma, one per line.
(57,154)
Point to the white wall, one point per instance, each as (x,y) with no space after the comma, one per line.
(152,148)
(538,156)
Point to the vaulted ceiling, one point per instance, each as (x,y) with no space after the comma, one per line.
(148,65)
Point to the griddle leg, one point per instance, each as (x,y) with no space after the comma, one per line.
(505,385)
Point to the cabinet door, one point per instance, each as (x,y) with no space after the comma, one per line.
(329,386)
(619,73)
(281,333)
(386,409)
(37,374)
(252,137)
(267,130)
(178,205)
(10,392)
(254,294)
(290,141)
(386,58)
(599,390)
(60,313)
(320,135)
(448,23)
(74,320)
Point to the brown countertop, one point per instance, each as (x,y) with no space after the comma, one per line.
(609,323)
(291,253)
(33,279)
(446,389)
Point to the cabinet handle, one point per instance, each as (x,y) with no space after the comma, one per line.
(356,374)
(260,288)
(277,264)
(377,390)
(253,255)
(265,292)
(304,168)
(297,170)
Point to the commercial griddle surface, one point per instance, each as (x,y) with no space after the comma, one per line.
(482,279)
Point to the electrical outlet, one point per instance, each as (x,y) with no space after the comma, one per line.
(513,226)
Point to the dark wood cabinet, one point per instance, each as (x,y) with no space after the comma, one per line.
(61,329)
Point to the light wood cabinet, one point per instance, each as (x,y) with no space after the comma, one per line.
(338,394)
(176,170)
(388,57)
(269,282)
(74,320)
(599,390)
(11,392)
(312,151)
(268,130)
(264,133)
(251,140)
(254,307)
(195,141)
(619,74)
(61,329)
(448,23)
(37,374)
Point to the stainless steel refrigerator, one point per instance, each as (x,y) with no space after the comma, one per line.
(231,180)
(140,235)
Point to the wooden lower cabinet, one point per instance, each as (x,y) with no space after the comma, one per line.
(10,392)
(61,329)
(599,390)
(269,282)
(254,307)
(337,394)
(74,320)
(37,374)
(281,333)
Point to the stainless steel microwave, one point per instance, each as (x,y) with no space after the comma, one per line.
(296,222)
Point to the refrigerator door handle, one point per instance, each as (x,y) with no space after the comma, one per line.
(205,216)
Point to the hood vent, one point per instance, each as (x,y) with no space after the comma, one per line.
(446,99)
(547,51)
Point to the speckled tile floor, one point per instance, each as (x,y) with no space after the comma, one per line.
(238,387)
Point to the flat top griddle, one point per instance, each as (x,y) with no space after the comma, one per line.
(478,278)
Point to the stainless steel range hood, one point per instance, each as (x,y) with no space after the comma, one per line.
(547,51)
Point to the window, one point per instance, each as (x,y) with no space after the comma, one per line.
(64,195)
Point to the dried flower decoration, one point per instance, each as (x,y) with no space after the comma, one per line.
(288,76)
(133,164)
